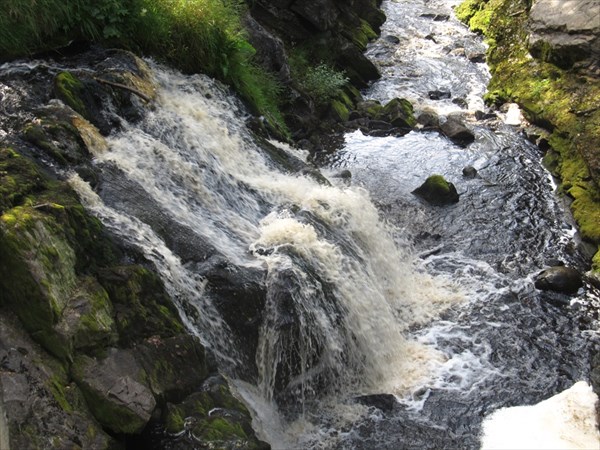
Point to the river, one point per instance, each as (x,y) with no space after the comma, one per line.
(378,321)
(388,323)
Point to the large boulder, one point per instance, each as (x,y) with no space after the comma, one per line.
(399,112)
(561,279)
(565,32)
(437,191)
(270,51)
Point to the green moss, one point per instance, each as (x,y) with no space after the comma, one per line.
(218,429)
(95,326)
(142,307)
(19,178)
(468,9)
(596,262)
(57,388)
(69,89)
(340,111)
(362,35)
(174,420)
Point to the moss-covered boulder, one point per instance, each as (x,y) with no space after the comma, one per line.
(437,191)
(165,360)
(47,242)
(142,308)
(399,112)
(214,418)
(116,390)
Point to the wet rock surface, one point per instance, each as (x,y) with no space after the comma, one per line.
(91,344)
(559,279)
(566,33)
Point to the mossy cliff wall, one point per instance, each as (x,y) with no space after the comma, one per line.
(543,55)
(92,347)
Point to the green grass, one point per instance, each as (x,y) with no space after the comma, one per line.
(203,36)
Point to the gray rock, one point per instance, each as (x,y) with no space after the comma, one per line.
(561,279)
(115,390)
(456,131)
(469,172)
(428,118)
(36,395)
(438,95)
(565,32)
(270,51)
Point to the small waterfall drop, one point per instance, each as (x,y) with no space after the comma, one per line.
(342,287)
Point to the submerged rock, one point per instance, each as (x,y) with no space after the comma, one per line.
(439,95)
(561,279)
(437,191)
(469,172)
(455,130)
(384,402)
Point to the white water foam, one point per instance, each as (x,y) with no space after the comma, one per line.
(193,158)
(566,421)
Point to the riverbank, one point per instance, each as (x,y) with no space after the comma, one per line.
(553,75)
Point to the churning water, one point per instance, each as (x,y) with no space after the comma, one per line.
(382,322)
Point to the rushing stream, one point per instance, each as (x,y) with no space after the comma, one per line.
(385,322)
(388,323)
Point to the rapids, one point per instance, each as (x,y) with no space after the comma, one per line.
(386,323)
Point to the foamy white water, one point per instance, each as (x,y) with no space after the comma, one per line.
(566,421)
(350,287)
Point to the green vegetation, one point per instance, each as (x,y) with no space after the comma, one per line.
(563,101)
(321,82)
(193,35)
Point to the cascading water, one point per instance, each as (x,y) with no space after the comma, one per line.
(340,291)
(355,316)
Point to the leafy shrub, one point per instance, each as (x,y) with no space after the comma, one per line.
(323,82)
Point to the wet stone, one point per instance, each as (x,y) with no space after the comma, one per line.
(561,279)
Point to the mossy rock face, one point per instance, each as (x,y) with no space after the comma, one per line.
(165,360)
(213,417)
(36,274)
(339,111)
(142,307)
(46,242)
(87,321)
(19,178)
(63,135)
(437,191)
(70,89)
(41,407)
(562,101)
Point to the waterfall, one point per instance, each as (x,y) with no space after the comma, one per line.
(341,286)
